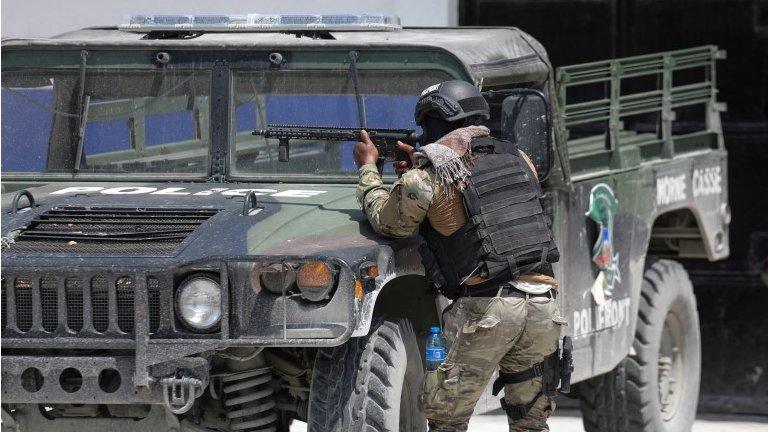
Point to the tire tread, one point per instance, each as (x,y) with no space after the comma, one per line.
(350,381)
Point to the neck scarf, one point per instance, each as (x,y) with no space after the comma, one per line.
(451,156)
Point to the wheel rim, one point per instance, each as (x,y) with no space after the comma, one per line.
(670,366)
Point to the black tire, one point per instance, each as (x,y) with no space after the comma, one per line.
(604,401)
(629,398)
(369,384)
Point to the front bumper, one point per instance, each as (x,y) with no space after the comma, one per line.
(48,380)
(130,311)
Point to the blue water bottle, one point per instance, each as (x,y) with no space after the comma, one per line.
(435,348)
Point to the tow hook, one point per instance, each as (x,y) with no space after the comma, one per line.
(179,393)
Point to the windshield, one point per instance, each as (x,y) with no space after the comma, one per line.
(136,122)
(318,98)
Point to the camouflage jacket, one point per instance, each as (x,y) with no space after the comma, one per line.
(397,212)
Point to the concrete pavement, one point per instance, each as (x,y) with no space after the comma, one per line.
(569,420)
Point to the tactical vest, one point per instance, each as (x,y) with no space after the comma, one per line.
(506,233)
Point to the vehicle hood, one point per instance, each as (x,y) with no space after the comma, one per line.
(289,219)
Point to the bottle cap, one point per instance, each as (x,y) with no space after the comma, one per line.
(434,330)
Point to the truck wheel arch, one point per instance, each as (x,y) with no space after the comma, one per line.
(407,297)
(686,233)
(678,234)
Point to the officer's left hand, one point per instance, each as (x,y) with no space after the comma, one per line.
(401,166)
(365,152)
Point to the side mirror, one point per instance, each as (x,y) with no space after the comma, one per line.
(525,122)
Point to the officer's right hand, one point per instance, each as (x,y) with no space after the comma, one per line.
(401,166)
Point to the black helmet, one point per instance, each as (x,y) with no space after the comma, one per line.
(451,101)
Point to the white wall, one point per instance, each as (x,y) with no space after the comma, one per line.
(40,18)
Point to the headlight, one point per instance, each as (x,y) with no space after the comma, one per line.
(198,303)
(315,280)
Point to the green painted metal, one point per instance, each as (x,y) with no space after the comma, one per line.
(70,59)
(319,59)
(386,59)
(617,147)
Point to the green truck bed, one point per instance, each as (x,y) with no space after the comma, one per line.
(618,114)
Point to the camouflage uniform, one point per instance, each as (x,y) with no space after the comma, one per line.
(400,212)
(481,332)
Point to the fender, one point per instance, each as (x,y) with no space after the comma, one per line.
(397,260)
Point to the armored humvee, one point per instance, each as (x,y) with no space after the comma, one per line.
(165,269)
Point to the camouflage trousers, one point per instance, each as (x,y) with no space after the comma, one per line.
(483,333)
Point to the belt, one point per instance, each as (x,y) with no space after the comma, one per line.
(510,291)
(507,290)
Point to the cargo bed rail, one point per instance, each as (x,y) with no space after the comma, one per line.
(617,114)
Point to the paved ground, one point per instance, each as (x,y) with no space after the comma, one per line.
(570,421)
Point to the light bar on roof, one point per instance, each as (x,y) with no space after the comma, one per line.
(259,22)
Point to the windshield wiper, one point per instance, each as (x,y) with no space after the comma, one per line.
(84,102)
(353,56)
(283,148)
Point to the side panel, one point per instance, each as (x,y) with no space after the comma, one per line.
(600,304)
(604,255)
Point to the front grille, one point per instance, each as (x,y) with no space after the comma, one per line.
(110,230)
(23,290)
(74,294)
(5,302)
(153,293)
(125,304)
(49,302)
(95,305)
(100,303)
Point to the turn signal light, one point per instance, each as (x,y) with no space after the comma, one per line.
(315,280)
(372,271)
(359,293)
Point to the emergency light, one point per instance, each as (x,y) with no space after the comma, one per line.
(259,22)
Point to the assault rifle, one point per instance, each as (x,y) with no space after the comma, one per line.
(384,139)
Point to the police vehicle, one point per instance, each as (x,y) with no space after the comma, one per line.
(165,269)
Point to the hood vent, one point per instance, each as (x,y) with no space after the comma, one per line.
(110,230)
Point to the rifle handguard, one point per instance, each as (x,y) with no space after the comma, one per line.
(384,139)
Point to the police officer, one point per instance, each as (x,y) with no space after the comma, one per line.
(475,201)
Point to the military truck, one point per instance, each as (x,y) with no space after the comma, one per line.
(163,268)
